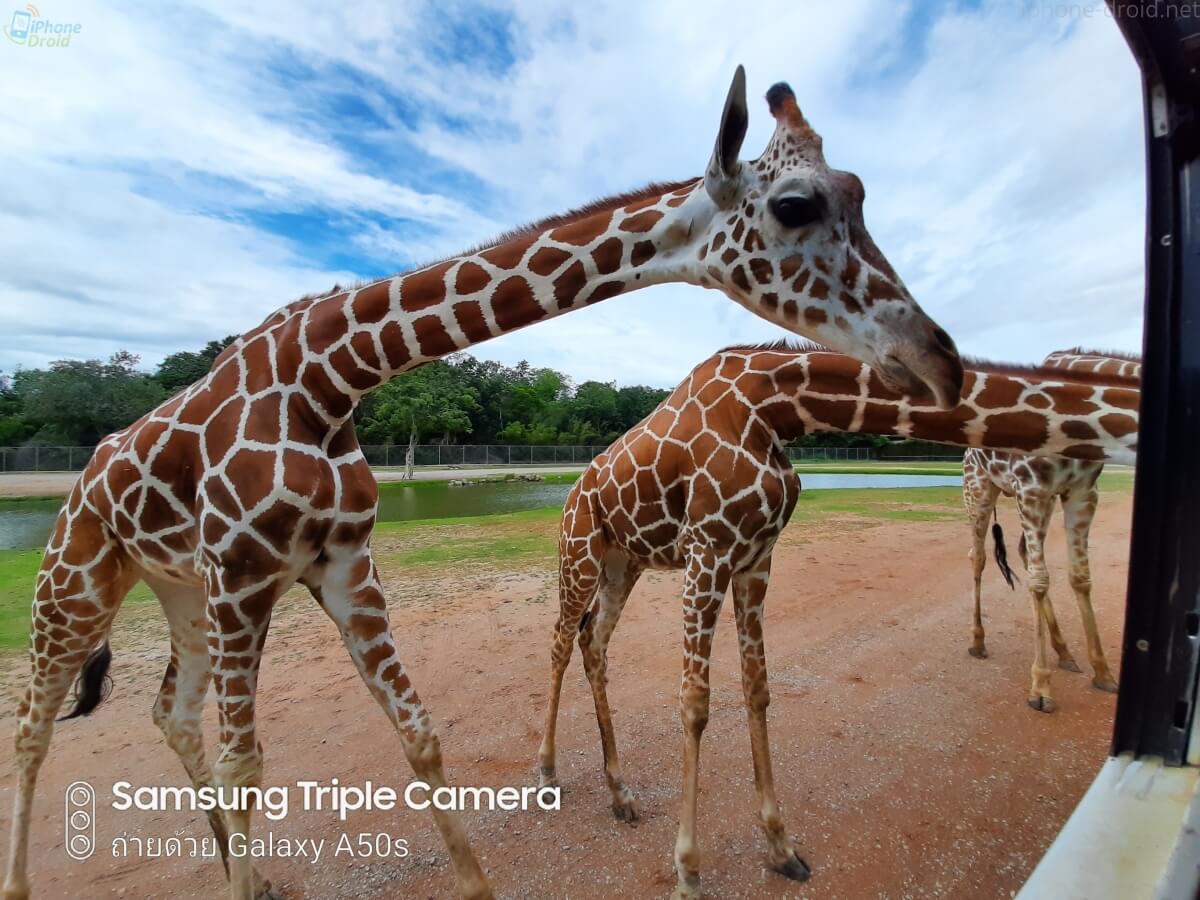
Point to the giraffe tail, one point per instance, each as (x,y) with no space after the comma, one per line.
(1002,554)
(93,684)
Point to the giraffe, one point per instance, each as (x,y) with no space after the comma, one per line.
(1036,482)
(703,484)
(252,480)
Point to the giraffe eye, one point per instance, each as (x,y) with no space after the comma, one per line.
(797,210)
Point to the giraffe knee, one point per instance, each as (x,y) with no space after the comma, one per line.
(184,738)
(161,713)
(758,698)
(693,708)
(240,770)
(1039,580)
(1081,581)
(424,752)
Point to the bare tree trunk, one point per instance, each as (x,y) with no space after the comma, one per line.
(410,454)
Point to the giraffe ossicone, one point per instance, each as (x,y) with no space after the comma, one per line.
(704,484)
(252,479)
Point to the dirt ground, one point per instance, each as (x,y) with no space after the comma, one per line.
(905,767)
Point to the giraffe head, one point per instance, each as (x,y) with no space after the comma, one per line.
(783,235)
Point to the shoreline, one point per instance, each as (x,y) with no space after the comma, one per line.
(47,486)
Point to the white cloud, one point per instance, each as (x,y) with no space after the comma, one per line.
(1003,163)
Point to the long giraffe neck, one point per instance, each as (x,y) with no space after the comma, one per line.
(340,346)
(1035,411)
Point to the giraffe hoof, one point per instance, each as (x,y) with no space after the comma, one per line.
(686,890)
(263,890)
(793,867)
(979,652)
(1069,665)
(1042,704)
(547,778)
(1105,684)
(625,808)
(16,893)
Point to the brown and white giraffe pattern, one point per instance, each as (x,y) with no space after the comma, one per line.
(1036,482)
(703,484)
(252,479)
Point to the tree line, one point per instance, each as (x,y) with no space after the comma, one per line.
(457,400)
(460,399)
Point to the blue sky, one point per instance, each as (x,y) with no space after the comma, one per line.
(182,169)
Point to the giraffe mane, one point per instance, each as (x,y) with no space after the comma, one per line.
(1108,354)
(783,345)
(973,363)
(1048,373)
(599,205)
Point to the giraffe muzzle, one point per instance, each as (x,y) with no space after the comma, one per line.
(928,371)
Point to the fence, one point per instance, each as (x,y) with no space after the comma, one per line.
(796,454)
(72,459)
(481,454)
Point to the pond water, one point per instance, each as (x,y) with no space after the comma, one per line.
(26,524)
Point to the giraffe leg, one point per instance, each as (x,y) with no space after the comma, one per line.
(619,578)
(238,611)
(346,585)
(749,597)
(580,572)
(83,579)
(979,496)
(1066,660)
(1079,508)
(180,702)
(1034,522)
(706,579)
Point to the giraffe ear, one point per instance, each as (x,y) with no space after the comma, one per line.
(720,178)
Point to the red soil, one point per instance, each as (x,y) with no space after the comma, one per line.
(905,767)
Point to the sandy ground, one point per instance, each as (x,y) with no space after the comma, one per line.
(59,484)
(905,767)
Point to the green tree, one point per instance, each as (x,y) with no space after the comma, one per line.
(432,399)
(14,429)
(181,369)
(79,402)
(596,402)
(491,381)
(635,402)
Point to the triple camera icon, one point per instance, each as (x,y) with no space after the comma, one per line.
(80,820)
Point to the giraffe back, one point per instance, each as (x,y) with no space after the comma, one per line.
(704,467)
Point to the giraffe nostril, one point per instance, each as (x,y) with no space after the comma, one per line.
(944,341)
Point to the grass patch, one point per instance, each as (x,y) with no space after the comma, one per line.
(902,504)
(479,548)
(18,571)
(18,574)
(542,514)
(500,540)
(1116,480)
